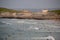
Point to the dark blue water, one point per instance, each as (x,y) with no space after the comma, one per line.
(25,29)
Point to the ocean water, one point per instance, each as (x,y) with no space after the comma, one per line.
(28,29)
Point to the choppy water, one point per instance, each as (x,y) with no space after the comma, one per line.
(26,29)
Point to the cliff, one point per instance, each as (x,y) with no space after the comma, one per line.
(10,13)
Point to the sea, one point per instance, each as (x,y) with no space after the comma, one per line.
(29,29)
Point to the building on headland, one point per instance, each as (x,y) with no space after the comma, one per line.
(45,12)
(40,13)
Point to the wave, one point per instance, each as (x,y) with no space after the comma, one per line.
(33,28)
(3,22)
(47,38)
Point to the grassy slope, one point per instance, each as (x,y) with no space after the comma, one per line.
(56,11)
(7,10)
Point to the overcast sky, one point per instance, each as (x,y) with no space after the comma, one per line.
(35,4)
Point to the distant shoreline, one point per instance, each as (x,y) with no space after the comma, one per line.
(44,14)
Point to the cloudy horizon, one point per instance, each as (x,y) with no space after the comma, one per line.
(30,4)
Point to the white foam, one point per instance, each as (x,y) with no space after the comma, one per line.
(49,37)
(6,22)
(26,22)
(36,28)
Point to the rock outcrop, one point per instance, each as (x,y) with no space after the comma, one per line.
(44,14)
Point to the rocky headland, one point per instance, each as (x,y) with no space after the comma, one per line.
(27,14)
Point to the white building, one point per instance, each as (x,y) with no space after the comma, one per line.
(45,11)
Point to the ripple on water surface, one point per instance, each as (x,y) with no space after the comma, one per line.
(20,29)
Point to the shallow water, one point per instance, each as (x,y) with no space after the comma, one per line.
(25,29)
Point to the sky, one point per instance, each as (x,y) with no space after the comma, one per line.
(32,4)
